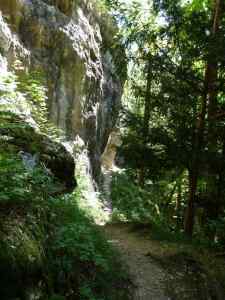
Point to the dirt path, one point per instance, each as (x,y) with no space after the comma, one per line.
(147,276)
(159,270)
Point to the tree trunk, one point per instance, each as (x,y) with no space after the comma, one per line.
(212,79)
(189,217)
(208,98)
(147,105)
(213,184)
(147,101)
(178,203)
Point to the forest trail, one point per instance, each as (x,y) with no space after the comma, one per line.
(160,270)
(147,276)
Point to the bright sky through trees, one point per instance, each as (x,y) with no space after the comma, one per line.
(146,5)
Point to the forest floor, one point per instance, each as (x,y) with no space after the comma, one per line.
(160,270)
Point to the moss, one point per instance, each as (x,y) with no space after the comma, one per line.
(65,6)
(12,9)
(56,248)
(26,138)
(22,259)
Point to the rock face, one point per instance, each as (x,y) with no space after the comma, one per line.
(70,41)
(17,134)
(109,154)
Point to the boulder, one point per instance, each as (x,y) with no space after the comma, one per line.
(16,132)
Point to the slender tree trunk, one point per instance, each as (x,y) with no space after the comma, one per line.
(208,98)
(213,77)
(189,217)
(147,107)
(213,184)
(178,203)
(147,101)
(220,193)
(141,175)
(198,141)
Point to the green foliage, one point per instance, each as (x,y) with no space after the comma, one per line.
(51,242)
(156,203)
(78,237)
(131,202)
(80,253)
(19,185)
(56,297)
(52,237)
(218,226)
(24,93)
(23,194)
(32,86)
(7,84)
(168,46)
(162,232)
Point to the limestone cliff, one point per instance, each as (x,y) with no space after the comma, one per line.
(70,41)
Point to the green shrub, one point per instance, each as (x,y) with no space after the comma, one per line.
(27,92)
(130,202)
(50,241)
(56,297)
(81,254)
(20,185)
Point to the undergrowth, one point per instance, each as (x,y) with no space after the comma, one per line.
(149,205)
(131,202)
(25,93)
(50,247)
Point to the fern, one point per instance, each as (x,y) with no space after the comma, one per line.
(28,93)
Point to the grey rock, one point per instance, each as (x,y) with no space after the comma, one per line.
(31,143)
(71,41)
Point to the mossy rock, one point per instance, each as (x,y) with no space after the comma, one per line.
(22,258)
(22,136)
